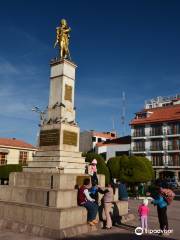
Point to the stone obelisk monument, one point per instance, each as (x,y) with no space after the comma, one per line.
(42,200)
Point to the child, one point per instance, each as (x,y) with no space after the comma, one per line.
(93,172)
(94,192)
(143,211)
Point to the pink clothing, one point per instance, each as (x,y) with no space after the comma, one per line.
(143,210)
(93,168)
(144,223)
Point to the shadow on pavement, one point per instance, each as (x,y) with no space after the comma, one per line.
(123,236)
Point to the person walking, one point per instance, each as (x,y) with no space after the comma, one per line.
(143,211)
(161,204)
(85,200)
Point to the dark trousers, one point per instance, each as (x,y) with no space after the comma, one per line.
(94,179)
(162,216)
(92,209)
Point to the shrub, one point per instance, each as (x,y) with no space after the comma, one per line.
(131,169)
(7,169)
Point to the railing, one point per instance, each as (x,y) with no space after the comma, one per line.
(173,147)
(175,162)
(139,149)
(172,132)
(156,132)
(139,134)
(157,163)
(156,148)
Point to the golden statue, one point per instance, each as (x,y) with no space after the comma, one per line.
(62,39)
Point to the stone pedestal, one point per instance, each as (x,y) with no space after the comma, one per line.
(43,204)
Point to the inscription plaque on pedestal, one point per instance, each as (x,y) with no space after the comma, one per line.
(70,138)
(49,137)
(68,93)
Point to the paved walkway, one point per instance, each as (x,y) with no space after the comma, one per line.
(124,232)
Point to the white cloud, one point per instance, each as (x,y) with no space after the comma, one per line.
(101,101)
(7,68)
(20,89)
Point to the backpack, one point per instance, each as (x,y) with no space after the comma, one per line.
(168,195)
(81,198)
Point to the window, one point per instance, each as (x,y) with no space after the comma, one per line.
(156,145)
(93,139)
(157,159)
(139,132)
(174,160)
(3,158)
(156,130)
(139,145)
(99,139)
(23,157)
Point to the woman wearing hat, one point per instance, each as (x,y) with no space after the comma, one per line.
(93,172)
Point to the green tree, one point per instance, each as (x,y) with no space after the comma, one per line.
(101,165)
(132,169)
(114,167)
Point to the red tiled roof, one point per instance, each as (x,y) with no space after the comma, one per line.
(104,144)
(161,114)
(104,135)
(12,142)
(116,141)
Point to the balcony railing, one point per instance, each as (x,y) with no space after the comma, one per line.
(175,162)
(139,134)
(139,149)
(157,163)
(157,132)
(173,131)
(156,148)
(173,147)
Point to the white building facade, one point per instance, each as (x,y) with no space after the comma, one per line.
(89,139)
(113,150)
(155,133)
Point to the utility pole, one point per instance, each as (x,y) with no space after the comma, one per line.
(113,124)
(123,114)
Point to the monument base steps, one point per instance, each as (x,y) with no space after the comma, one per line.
(42,231)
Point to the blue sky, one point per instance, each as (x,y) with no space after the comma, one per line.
(131,46)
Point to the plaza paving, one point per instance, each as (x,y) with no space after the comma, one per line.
(124,232)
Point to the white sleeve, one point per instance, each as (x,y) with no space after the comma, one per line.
(86,192)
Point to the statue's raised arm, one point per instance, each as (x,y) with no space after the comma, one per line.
(62,39)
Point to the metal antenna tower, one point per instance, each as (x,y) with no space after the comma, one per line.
(113,124)
(123,114)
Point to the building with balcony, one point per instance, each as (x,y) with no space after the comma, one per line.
(13,151)
(89,139)
(155,133)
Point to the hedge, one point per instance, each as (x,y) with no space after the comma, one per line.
(5,170)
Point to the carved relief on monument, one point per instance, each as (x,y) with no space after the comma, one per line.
(70,138)
(68,93)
